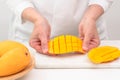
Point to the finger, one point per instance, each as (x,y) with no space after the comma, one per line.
(86,42)
(94,43)
(38,49)
(36,45)
(81,35)
(44,43)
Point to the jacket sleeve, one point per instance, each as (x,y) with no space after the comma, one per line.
(105,4)
(18,6)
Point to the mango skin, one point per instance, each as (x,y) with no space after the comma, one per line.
(103,54)
(65,44)
(14,57)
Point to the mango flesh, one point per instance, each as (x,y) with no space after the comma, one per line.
(14,57)
(65,44)
(103,54)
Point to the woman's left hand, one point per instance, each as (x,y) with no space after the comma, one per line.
(88,33)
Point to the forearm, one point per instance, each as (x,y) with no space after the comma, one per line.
(31,14)
(93,12)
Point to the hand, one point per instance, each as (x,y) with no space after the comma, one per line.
(88,33)
(87,28)
(40,36)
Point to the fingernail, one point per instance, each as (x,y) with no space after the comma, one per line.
(85,48)
(45,51)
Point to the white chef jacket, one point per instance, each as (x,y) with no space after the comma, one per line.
(63,16)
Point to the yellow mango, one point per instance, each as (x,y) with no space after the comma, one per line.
(51,46)
(65,44)
(56,45)
(74,39)
(62,45)
(68,38)
(14,57)
(8,45)
(69,43)
(111,56)
(103,54)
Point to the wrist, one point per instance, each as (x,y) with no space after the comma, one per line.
(88,19)
(38,19)
(93,12)
(32,15)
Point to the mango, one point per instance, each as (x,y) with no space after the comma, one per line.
(103,54)
(65,44)
(14,57)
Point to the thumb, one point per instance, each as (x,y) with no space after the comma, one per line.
(44,43)
(81,35)
(86,42)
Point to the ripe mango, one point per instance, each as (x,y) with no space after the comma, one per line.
(14,57)
(65,44)
(104,54)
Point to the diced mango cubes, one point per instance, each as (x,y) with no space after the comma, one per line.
(104,54)
(51,46)
(56,45)
(62,44)
(65,44)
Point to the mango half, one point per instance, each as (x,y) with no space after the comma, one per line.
(14,57)
(104,54)
(65,44)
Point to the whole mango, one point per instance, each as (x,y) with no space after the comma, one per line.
(14,57)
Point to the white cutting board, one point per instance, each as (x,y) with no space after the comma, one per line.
(74,61)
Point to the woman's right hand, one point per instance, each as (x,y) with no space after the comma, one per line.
(40,36)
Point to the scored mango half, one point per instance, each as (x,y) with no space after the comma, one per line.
(65,44)
(103,54)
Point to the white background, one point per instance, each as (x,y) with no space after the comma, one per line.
(113,22)
(112,18)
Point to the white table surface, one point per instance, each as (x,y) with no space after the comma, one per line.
(74,60)
(76,74)
(73,74)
